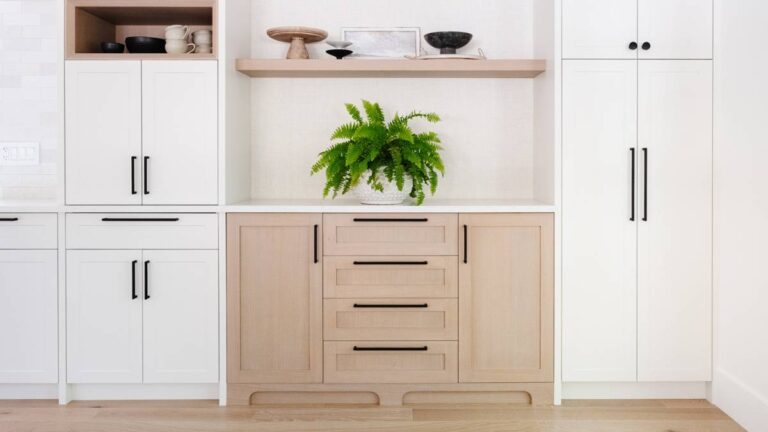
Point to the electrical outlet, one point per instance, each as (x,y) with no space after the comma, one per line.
(19,153)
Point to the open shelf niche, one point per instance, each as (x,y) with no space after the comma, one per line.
(90,22)
(498,125)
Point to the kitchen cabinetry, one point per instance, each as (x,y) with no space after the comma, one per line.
(141,132)
(631,29)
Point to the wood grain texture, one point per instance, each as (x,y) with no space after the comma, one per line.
(198,416)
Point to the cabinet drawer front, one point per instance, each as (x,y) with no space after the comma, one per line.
(391,234)
(390,277)
(28,231)
(141,231)
(388,319)
(391,362)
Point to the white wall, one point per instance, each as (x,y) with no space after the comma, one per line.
(741,212)
(29,47)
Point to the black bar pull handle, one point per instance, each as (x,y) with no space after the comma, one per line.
(133,175)
(108,219)
(133,280)
(358,348)
(466,240)
(146,175)
(390,306)
(10,219)
(632,185)
(146,280)
(645,184)
(390,220)
(315,244)
(383,263)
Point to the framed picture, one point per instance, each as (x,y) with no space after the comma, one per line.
(383,42)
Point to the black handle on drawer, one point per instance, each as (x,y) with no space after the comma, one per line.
(422,348)
(133,280)
(377,263)
(146,176)
(13,219)
(108,219)
(133,175)
(466,240)
(390,220)
(146,280)
(315,245)
(390,306)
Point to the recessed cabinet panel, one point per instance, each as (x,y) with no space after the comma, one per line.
(28,230)
(675,29)
(103,132)
(599,29)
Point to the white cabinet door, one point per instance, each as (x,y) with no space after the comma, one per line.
(28,316)
(675,242)
(104,316)
(599,237)
(103,132)
(675,29)
(181,314)
(180,132)
(599,29)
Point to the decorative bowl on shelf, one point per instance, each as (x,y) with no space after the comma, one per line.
(448,41)
(112,48)
(298,37)
(339,53)
(145,45)
(339,44)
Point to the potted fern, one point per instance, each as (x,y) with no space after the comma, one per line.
(381,162)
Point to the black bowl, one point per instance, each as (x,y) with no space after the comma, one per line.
(339,53)
(448,41)
(112,48)
(145,45)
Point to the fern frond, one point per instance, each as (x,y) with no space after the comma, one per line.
(354,112)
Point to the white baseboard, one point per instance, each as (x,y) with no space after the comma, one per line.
(742,403)
(29,391)
(635,390)
(142,391)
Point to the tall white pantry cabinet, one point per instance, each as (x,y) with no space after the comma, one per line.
(637,191)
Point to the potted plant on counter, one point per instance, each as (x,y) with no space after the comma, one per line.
(381,162)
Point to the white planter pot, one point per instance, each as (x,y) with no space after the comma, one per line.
(391,194)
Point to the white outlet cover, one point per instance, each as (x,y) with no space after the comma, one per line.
(19,153)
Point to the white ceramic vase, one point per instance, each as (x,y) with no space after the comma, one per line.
(390,196)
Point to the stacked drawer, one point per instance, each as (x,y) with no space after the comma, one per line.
(390,298)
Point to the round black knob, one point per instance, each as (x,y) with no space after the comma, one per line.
(633,45)
(646,46)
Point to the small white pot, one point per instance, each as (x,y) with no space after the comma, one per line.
(391,194)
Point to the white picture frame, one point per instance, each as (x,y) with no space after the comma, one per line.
(383,42)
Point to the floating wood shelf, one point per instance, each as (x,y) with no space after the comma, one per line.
(392,68)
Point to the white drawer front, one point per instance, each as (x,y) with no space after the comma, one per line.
(142,231)
(28,231)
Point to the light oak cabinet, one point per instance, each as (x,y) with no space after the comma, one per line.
(506,307)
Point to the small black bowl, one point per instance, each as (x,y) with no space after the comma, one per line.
(112,48)
(145,45)
(449,41)
(339,53)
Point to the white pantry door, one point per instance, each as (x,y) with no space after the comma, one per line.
(103,132)
(675,29)
(180,119)
(104,316)
(675,239)
(599,29)
(181,315)
(599,235)
(28,316)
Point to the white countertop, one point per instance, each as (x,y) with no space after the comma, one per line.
(429,206)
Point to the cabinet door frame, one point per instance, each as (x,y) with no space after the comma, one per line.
(676,29)
(609,38)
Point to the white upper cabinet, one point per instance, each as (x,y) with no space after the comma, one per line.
(599,234)
(645,29)
(599,29)
(180,132)
(103,132)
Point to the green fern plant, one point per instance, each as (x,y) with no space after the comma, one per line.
(373,144)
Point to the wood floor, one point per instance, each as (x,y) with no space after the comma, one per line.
(573,416)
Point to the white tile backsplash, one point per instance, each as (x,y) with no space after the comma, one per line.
(28,94)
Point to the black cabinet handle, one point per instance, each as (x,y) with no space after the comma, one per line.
(632,185)
(390,220)
(357,348)
(646,46)
(133,175)
(315,244)
(146,176)
(108,219)
(146,280)
(390,306)
(133,280)
(645,184)
(11,219)
(466,240)
(376,263)
(633,45)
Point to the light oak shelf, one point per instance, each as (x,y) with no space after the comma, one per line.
(507,68)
